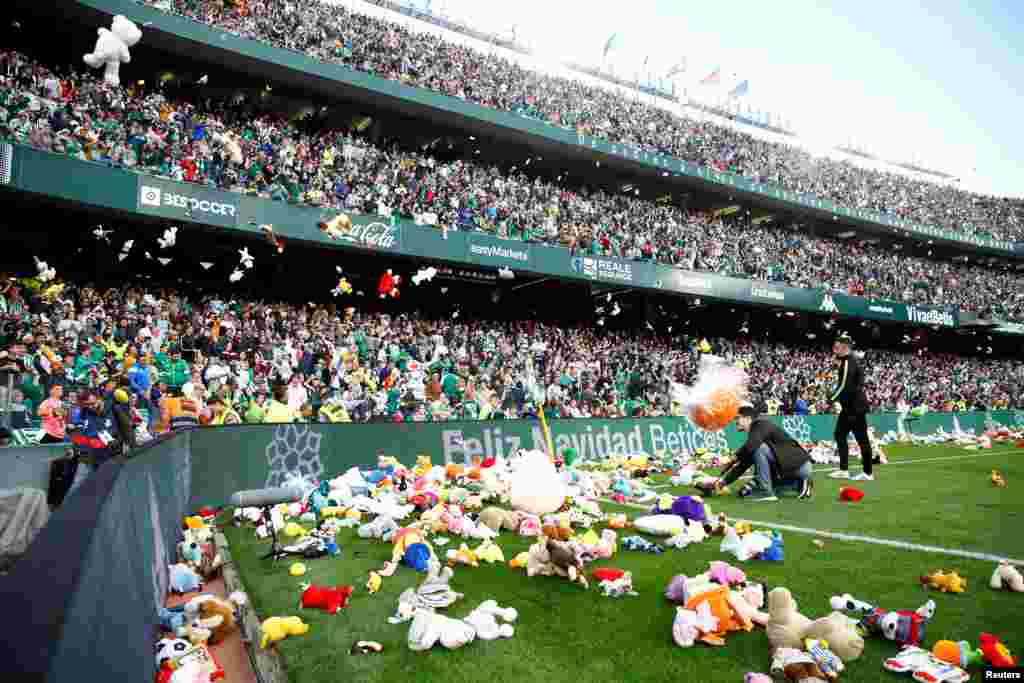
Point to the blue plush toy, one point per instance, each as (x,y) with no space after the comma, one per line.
(417,556)
(640,543)
(172,619)
(774,553)
(183,579)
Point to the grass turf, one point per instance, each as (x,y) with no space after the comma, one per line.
(565,633)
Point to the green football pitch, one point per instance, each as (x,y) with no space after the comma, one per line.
(931,507)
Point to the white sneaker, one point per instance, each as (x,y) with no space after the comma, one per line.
(840,474)
(864,477)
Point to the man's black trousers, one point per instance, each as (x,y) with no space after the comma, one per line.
(858,424)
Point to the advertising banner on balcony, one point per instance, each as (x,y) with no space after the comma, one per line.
(185,201)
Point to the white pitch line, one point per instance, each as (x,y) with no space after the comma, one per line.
(908,462)
(903,545)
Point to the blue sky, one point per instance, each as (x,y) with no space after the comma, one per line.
(939,83)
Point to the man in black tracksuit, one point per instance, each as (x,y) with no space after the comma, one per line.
(777,458)
(853,403)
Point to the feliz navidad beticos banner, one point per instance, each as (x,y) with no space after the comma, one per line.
(99,185)
(235,458)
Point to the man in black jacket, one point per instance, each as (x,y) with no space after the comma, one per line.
(777,458)
(853,410)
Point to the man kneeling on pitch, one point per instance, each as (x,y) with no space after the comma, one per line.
(778,460)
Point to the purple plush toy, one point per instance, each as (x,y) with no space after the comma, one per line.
(687,507)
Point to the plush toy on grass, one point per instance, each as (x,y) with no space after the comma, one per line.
(1007,576)
(958,654)
(330,600)
(499,519)
(618,587)
(276,629)
(485,620)
(489,552)
(788,628)
(924,666)
(797,666)
(566,561)
(997,479)
(947,583)
(747,547)
(462,556)
(689,626)
(831,665)
(904,627)
(642,544)
(996,654)
(850,494)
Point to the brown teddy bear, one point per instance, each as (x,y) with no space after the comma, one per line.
(796,666)
(215,614)
(558,533)
(788,628)
(565,560)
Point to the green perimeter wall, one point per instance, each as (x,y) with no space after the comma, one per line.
(229,459)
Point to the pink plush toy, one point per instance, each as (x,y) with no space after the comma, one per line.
(757,678)
(726,574)
(606,546)
(529,526)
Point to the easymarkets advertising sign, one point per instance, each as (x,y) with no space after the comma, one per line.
(182,201)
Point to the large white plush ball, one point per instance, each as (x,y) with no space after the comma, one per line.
(535,485)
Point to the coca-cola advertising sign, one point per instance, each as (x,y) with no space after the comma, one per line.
(374,235)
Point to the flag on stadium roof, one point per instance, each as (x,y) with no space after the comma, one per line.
(740,90)
(610,44)
(714,78)
(679,68)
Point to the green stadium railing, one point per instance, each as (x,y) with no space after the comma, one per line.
(100,185)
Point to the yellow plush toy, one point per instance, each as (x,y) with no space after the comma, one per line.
(291,530)
(297,569)
(423,466)
(519,561)
(373,583)
(463,556)
(194,523)
(279,628)
(489,552)
(947,583)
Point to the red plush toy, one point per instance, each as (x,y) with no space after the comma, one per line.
(850,494)
(608,574)
(388,285)
(996,654)
(330,600)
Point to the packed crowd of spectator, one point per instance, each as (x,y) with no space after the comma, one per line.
(334,34)
(237,145)
(169,360)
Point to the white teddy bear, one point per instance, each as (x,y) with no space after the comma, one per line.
(484,619)
(112,48)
